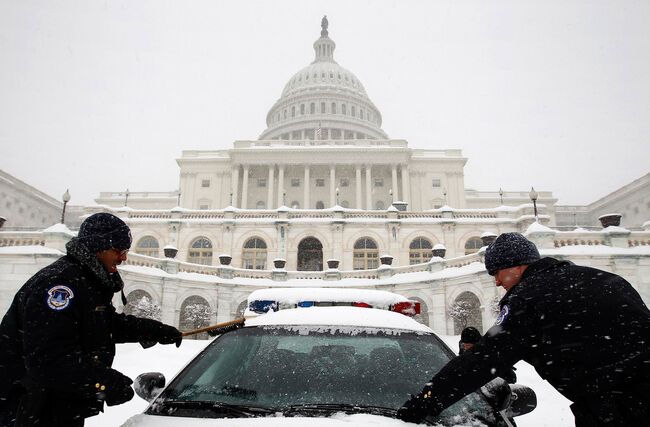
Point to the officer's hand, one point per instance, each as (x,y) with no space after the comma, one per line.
(116,390)
(169,335)
(418,407)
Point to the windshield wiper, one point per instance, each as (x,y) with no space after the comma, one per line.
(340,407)
(244,411)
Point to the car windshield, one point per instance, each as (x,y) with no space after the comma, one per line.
(307,370)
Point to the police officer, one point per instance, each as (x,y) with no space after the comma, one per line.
(468,339)
(58,336)
(586,331)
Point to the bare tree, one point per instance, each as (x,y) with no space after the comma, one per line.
(461,312)
(144,307)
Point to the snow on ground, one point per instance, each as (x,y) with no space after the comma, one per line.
(552,409)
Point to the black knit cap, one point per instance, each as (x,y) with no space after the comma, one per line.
(509,250)
(470,335)
(103,231)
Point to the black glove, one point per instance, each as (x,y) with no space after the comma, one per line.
(420,406)
(116,389)
(169,335)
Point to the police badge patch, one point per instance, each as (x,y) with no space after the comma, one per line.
(59,297)
(503,315)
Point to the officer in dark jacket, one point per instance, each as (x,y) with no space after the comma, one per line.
(58,337)
(469,337)
(586,331)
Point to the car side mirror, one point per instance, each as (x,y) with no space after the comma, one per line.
(148,385)
(522,400)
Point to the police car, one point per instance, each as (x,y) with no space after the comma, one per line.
(324,356)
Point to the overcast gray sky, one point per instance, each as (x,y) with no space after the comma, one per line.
(104,95)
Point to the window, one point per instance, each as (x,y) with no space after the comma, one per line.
(285,114)
(205,183)
(260,205)
(293,111)
(261,182)
(472,245)
(333,108)
(379,182)
(320,182)
(380,205)
(365,254)
(254,254)
(344,109)
(322,107)
(204,207)
(345,204)
(344,182)
(295,182)
(302,108)
(200,251)
(312,108)
(320,205)
(148,246)
(360,113)
(295,204)
(435,183)
(420,250)
(353,111)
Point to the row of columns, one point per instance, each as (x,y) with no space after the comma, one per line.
(404,192)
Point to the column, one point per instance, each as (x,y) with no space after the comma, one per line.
(306,185)
(393,171)
(244,189)
(269,185)
(234,185)
(406,185)
(332,185)
(358,203)
(368,187)
(281,185)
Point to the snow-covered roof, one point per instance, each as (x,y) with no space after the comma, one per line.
(339,316)
(373,297)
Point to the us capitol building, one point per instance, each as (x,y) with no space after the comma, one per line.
(325,198)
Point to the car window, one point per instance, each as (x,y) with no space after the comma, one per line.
(279,367)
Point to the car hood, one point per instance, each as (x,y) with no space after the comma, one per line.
(336,420)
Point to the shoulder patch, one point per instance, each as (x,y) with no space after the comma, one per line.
(503,315)
(58,297)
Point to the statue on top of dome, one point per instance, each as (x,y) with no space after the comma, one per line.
(324,24)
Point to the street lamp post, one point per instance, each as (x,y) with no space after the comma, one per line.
(126,197)
(66,199)
(179,198)
(337,196)
(533,196)
(501,195)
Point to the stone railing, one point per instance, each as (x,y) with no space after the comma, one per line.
(21,238)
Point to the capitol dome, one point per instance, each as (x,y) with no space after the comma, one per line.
(323,101)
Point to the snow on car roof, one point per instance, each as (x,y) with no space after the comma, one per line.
(338,316)
(373,297)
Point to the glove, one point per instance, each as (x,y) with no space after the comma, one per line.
(169,335)
(418,407)
(116,389)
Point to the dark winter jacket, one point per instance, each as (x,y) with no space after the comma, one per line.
(584,330)
(59,336)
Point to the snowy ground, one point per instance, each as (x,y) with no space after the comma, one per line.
(552,409)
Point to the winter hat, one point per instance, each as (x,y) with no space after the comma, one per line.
(103,231)
(509,250)
(470,335)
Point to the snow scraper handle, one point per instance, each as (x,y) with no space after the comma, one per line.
(218,329)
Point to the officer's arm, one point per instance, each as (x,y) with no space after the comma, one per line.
(128,328)
(54,356)
(503,345)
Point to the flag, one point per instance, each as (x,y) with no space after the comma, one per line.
(318,132)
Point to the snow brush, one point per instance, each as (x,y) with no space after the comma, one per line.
(213,330)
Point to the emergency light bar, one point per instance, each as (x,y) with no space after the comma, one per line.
(408,308)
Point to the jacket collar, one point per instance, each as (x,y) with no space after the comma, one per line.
(80,253)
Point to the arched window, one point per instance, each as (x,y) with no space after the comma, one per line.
(312,108)
(472,245)
(293,111)
(295,204)
(365,255)
(360,113)
(420,250)
(260,205)
(345,204)
(302,108)
(423,317)
(139,303)
(333,108)
(353,111)
(380,206)
(466,311)
(344,109)
(148,245)
(285,114)
(200,251)
(195,313)
(254,254)
(320,205)
(322,108)
(241,308)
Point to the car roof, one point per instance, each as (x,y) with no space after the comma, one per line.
(339,316)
